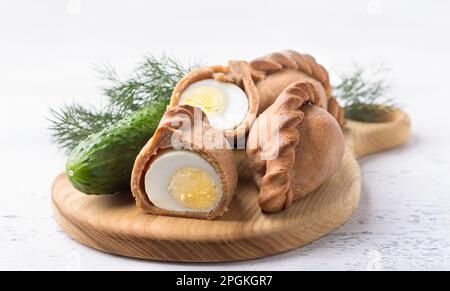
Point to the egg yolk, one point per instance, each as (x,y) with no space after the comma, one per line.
(194,188)
(209,99)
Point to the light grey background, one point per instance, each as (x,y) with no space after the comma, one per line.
(48,50)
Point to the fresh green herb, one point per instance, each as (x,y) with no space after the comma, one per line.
(364,96)
(153,79)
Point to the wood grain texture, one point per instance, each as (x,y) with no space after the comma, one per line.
(113,224)
(366,138)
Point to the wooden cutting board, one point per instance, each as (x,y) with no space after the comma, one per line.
(115,225)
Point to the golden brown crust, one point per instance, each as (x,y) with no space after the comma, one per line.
(281,145)
(237,72)
(319,152)
(336,111)
(272,85)
(272,173)
(277,70)
(180,124)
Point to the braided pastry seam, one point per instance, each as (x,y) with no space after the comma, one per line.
(275,188)
(289,59)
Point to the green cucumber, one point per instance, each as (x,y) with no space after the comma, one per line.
(102,163)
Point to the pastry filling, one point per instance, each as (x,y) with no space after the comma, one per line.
(209,99)
(181,180)
(225,104)
(194,188)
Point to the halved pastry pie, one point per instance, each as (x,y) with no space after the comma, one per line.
(227,95)
(187,168)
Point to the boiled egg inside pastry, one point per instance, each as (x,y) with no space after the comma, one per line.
(181,180)
(225,104)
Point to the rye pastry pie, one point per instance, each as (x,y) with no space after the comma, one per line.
(275,71)
(294,146)
(226,94)
(187,169)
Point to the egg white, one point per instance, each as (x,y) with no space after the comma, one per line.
(236,107)
(161,170)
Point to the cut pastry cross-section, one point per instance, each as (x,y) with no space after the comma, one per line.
(181,180)
(187,168)
(225,104)
(226,94)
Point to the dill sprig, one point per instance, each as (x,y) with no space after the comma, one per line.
(154,79)
(365,95)
(72,123)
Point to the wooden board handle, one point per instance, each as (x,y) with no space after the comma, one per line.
(366,138)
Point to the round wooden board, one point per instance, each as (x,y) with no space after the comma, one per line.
(114,224)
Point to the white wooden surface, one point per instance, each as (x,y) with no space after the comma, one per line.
(47,53)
